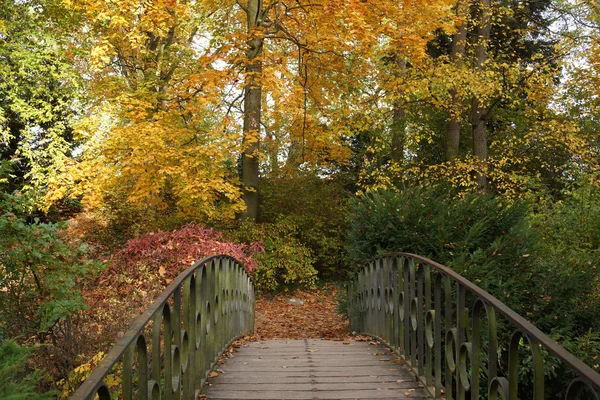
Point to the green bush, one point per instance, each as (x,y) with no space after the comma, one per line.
(431,223)
(317,207)
(571,249)
(544,266)
(285,260)
(39,270)
(15,382)
(488,241)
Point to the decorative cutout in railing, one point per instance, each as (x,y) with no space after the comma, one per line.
(421,310)
(170,349)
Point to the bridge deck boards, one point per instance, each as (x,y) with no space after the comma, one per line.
(313,369)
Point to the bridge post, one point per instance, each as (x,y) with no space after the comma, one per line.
(394,285)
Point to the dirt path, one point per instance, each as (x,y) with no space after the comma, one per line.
(313,316)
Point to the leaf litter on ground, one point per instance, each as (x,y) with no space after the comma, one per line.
(303,314)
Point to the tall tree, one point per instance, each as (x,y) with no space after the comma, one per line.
(39,91)
(154,136)
(170,76)
(457,56)
(398,126)
(255,14)
(478,122)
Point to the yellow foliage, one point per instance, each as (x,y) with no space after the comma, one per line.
(168,77)
(152,160)
(79,374)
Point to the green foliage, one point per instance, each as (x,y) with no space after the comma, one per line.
(544,266)
(285,260)
(430,222)
(316,206)
(15,382)
(575,221)
(571,233)
(39,90)
(39,271)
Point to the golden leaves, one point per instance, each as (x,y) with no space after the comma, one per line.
(149,157)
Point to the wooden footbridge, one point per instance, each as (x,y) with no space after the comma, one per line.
(435,335)
(314,369)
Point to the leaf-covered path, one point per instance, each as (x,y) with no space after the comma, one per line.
(300,315)
(313,369)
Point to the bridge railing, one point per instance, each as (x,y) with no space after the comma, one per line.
(462,342)
(170,349)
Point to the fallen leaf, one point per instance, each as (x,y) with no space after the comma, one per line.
(318,318)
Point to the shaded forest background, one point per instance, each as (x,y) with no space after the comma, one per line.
(302,138)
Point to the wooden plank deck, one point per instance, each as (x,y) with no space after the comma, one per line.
(313,369)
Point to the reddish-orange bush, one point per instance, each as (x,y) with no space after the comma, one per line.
(140,271)
(174,251)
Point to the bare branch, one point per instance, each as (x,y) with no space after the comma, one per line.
(242,6)
(232,103)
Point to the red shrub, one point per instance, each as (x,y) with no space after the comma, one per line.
(141,271)
(176,250)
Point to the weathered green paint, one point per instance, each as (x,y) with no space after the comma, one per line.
(190,325)
(434,318)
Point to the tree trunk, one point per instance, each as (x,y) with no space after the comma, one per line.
(252,112)
(399,119)
(272,152)
(294,156)
(297,140)
(478,122)
(457,54)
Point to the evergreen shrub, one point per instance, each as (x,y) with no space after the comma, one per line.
(16,382)
(543,265)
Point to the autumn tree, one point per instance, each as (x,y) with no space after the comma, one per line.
(502,93)
(154,136)
(579,98)
(175,80)
(255,15)
(478,121)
